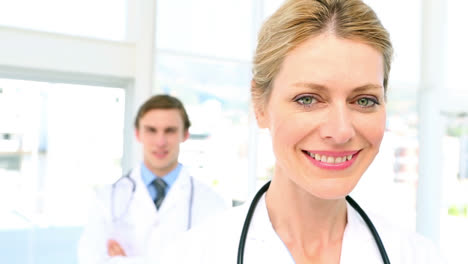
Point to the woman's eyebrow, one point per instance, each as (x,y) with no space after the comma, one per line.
(309,85)
(365,87)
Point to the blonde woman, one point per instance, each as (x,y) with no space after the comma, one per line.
(319,85)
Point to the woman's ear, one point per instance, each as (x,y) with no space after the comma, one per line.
(259,108)
(260,116)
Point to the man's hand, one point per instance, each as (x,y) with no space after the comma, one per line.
(114,249)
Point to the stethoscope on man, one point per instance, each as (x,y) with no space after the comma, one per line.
(248,219)
(127,187)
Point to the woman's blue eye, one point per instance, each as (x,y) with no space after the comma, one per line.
(366,102)
(306,100)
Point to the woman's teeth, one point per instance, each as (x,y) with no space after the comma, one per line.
(330,160)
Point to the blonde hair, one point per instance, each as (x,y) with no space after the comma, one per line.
(298,20)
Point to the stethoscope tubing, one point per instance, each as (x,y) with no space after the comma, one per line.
(114,186)
(354,204)
(248,220)
(370,225)
(189,220)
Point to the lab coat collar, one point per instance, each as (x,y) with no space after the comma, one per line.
(357,243)
(262,237)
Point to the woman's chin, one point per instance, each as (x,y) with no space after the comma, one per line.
(331,190)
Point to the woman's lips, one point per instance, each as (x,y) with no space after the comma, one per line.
(332,160)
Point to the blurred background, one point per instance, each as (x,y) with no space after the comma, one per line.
(73,73)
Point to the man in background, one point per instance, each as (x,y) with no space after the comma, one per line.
(158,199)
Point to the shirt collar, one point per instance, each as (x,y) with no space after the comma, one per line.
(148,177)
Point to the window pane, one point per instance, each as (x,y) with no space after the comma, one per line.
(103,19)
(457,54)
(220,28)
(57,141)
(406,39)
(216,95)
(454,229)
(454,220)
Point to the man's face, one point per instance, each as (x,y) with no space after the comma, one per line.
(161,131)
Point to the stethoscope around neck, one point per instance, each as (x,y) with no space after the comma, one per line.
(253,205)
(128,187)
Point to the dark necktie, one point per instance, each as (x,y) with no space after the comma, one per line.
(160,186)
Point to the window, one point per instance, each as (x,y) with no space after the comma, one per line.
(203,58)
(54,148)
(103,19)
(209,28)
(216,96)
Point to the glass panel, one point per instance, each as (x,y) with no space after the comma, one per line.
(454,222)
(103,19)
(54,147)
(457,53)
(406,39)
(196,29)
(216,95)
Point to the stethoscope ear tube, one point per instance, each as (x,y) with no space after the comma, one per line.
(116,217)
(371,226)
(189,220)
(248,218)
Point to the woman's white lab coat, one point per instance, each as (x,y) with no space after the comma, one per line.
(142,222)
(217,242)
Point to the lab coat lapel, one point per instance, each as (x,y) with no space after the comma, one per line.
(143,208)
(178,196)
(173,214)
(358,242)
(263,244)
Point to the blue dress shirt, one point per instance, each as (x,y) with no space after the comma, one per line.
(148,177)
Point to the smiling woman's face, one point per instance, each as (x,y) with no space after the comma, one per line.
(326,114)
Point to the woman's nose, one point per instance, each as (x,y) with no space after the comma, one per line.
(337,126)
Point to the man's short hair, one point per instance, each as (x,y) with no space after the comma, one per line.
(162,101)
